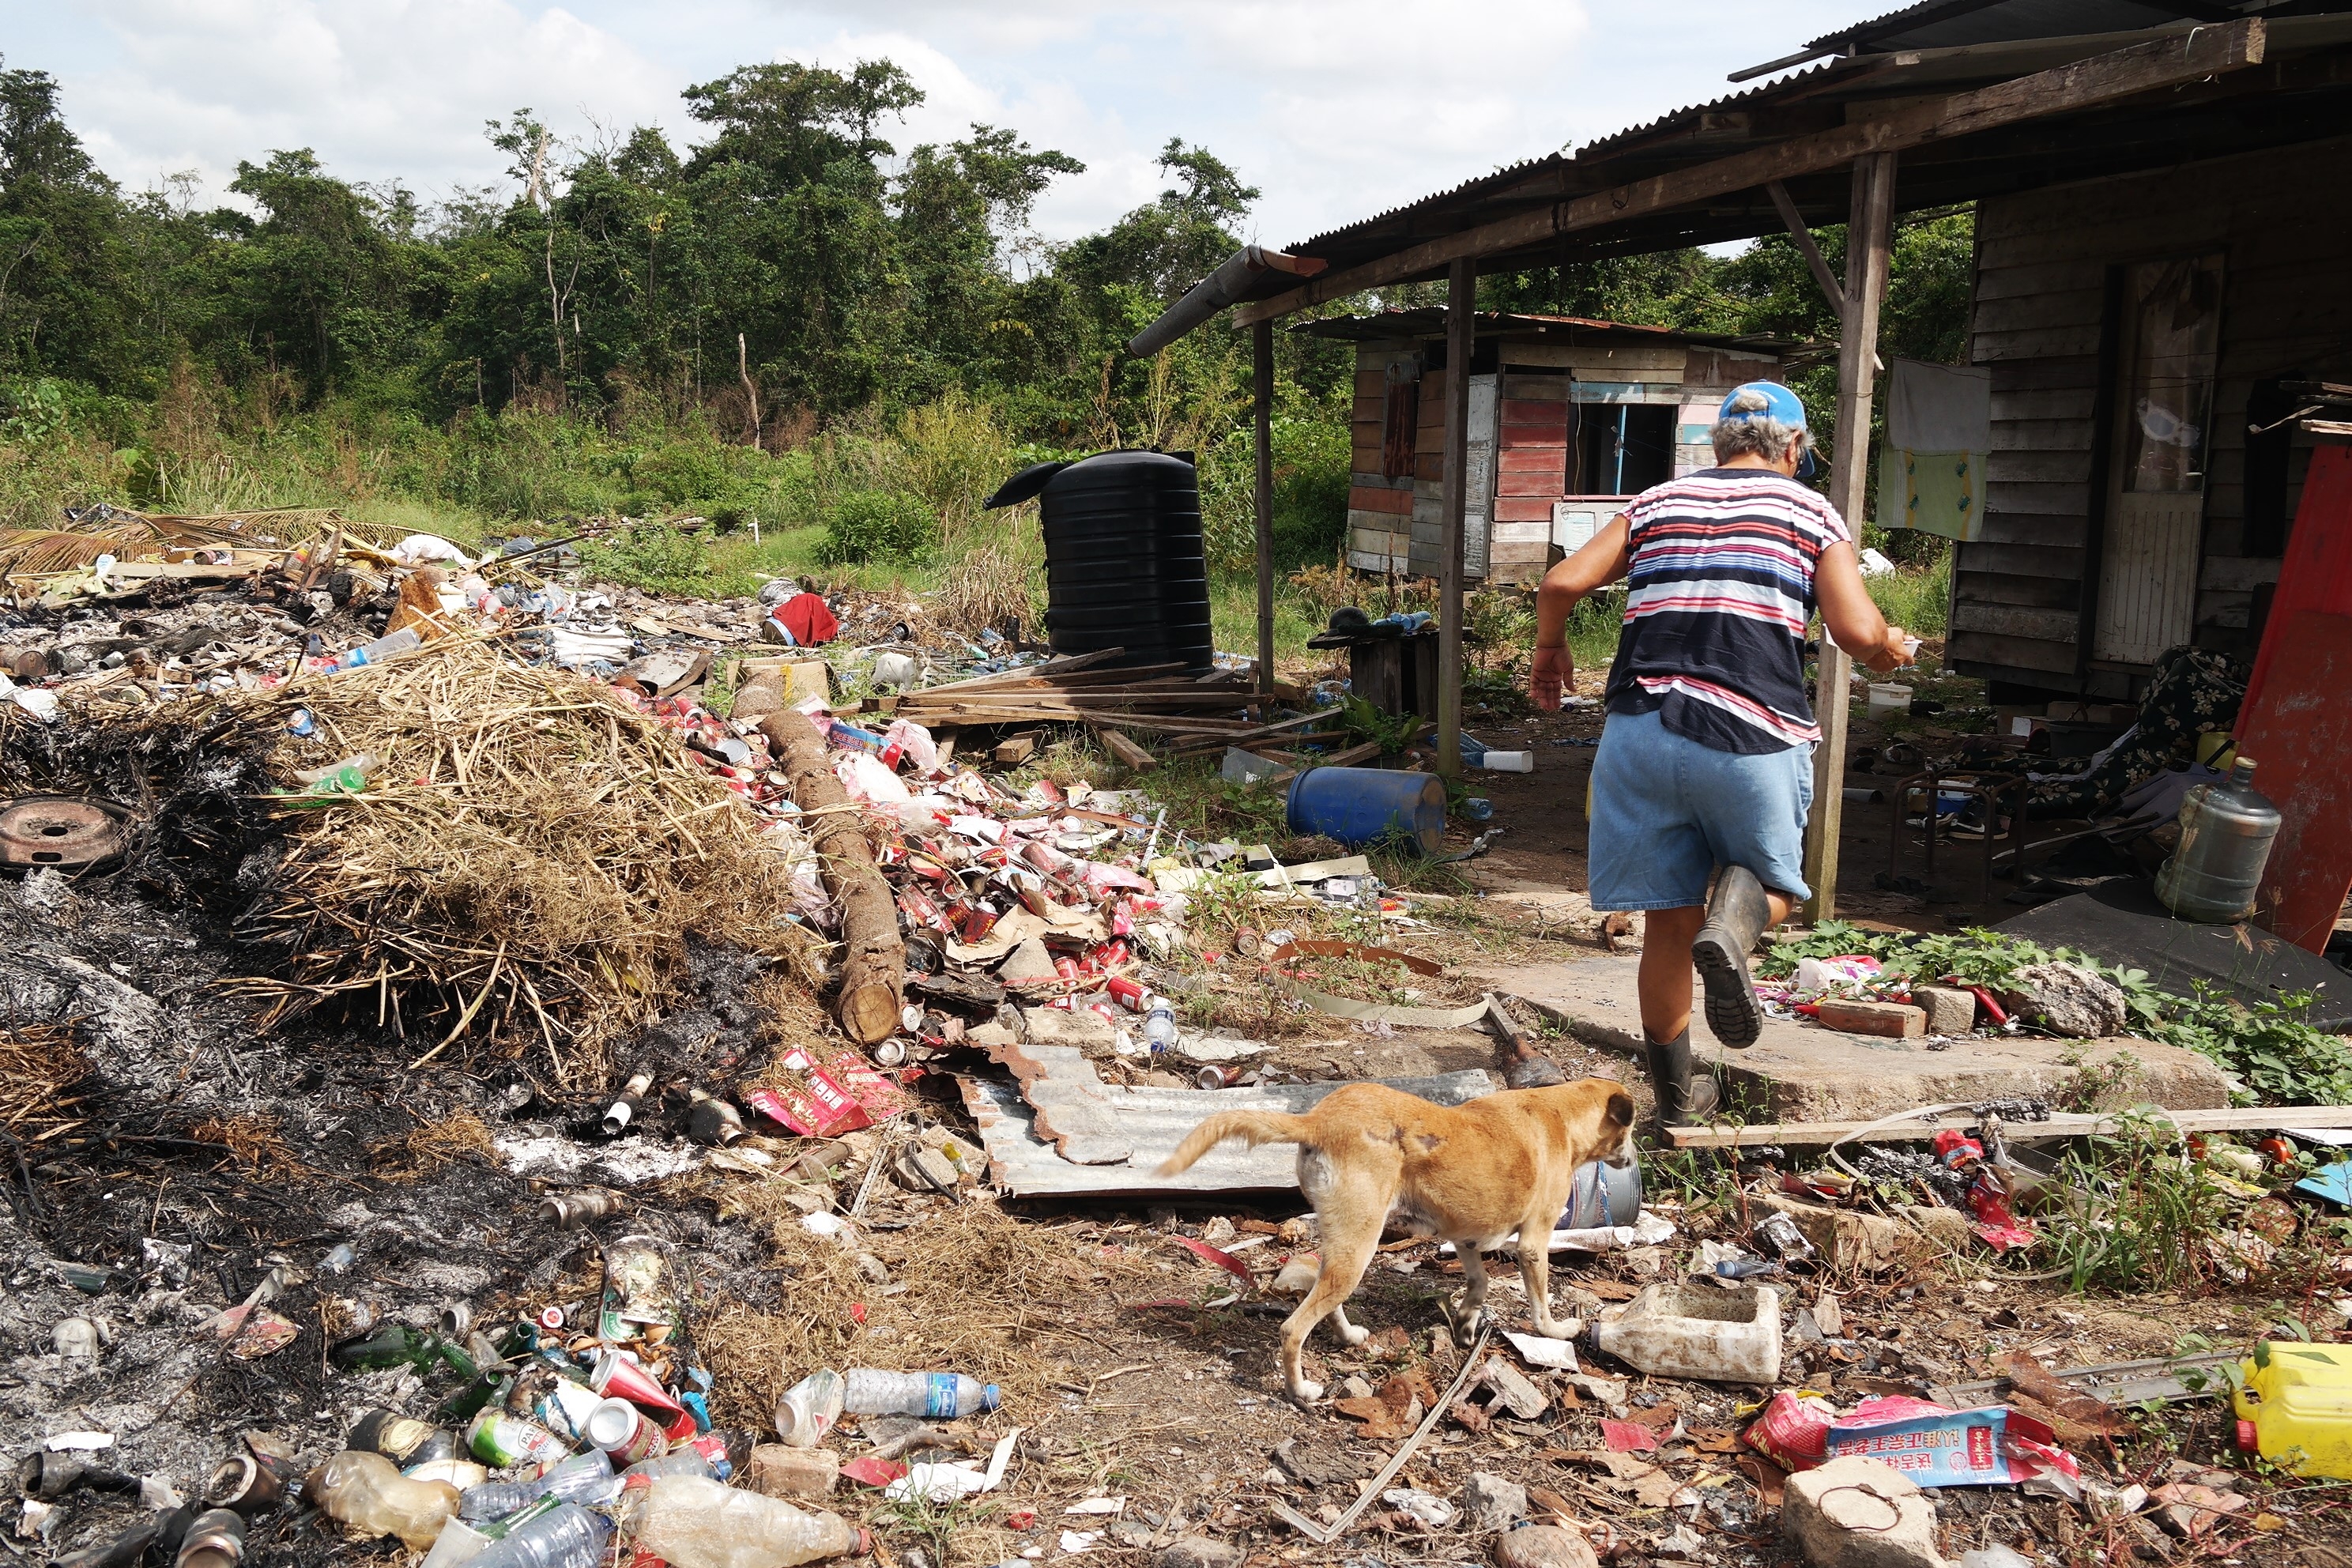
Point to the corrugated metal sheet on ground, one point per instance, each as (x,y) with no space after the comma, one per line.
(1155,1120)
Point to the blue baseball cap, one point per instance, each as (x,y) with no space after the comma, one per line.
(1780,405)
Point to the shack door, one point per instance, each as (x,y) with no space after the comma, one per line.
(2163,403)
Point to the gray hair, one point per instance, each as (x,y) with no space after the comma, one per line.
(1766,438)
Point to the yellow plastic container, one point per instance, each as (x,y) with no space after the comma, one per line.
(2295,1408)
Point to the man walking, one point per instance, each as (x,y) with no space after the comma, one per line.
(1706,765)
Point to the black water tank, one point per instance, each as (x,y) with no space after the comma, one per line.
(1124,562)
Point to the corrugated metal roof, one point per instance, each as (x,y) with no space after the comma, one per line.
(2010,38)
(1155,1120)
(1429,320)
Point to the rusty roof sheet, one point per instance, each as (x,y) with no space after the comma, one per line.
(1429,321)
(1154,1121)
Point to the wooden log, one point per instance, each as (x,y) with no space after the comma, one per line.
(873,958)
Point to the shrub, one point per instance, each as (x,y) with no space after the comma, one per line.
(878,525)
(650,556)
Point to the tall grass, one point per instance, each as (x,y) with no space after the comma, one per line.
(1916,597)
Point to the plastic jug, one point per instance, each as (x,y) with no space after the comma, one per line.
(1702,1332)
(689,1522)
(2296,1407)
(2226,832)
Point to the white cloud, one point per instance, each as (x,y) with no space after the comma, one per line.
(1335,109)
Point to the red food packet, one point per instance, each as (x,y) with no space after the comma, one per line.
(1792,1431)
(816,1106)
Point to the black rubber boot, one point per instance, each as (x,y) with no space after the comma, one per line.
(1736,917)
(1682,1100)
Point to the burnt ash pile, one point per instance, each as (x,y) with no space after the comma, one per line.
(179,1163)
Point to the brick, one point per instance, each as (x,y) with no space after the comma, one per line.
(776,1470)
(1893,1019)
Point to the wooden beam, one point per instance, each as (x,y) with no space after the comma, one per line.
(1461,342)
(1261,380)
(1814,1134)
(2168,62)
(1831,289)
(1869,239)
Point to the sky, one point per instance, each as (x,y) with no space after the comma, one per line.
(1335,109)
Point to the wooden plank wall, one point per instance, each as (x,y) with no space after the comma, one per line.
(1380,508)
(2041,286)
(1392,523)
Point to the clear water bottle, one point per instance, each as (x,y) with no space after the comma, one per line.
(687,1460)
(1160,1025)
(584,1478)
(933,1395)
(566,1537)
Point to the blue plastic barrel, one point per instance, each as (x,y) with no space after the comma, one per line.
(1357,806)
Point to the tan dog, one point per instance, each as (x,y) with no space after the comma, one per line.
(1471,1175)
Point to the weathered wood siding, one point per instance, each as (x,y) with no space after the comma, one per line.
(1393,524)
(2021,594)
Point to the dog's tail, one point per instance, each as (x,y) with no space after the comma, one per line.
(1253,1127)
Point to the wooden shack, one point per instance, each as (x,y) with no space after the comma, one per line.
(1567,419)
(2135,327)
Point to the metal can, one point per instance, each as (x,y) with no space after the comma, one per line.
(622,1430)
(499,1439)
(1219,1077)
(1129,994)
(1066,967)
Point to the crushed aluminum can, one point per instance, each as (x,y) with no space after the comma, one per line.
(1779,1233)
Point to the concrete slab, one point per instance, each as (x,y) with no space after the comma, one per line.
(1802,1072)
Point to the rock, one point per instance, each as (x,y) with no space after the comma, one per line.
(920,1169)
(1218,1231)
(1543,1546)
(1029,962)
(1513,1392)
(1198,1552)
(1492,1502)
(2067,999)
(1355,1387)
(1683,1542)
(1859,1513)
(1297,1231)
(1851,1238)
(1949,1009)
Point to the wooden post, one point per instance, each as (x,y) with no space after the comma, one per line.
(1461,338)
(1869,237)
(1262,351)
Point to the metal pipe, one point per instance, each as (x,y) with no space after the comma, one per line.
(1220,288)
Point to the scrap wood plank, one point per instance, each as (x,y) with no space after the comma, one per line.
(2250,1119)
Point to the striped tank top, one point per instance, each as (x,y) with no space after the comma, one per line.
(1717,596)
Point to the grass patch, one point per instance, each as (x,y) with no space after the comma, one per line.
(1914,597)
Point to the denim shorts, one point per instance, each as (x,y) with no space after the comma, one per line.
(1667,810)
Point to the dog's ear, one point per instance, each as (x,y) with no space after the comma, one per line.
(1620,1109)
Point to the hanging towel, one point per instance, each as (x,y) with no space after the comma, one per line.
(1931,472)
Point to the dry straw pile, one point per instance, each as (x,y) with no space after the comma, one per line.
(526,864)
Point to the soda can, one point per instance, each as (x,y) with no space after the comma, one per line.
(1129,994)
(498,1440)
(978,922)
(1113,954)
(1066,967)
(620,1429)
(1218,1078)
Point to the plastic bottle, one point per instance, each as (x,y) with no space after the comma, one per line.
(363,1491)
(2226,832)
(1683,1330)
(689,1461)
(1160,1025)
(382,648)
(693,1523)
(584,1478)
(809,1408)
(934,1395)
(566,1537)
(347,777)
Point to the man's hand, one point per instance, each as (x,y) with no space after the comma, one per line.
(1553,670)
(1899,649)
